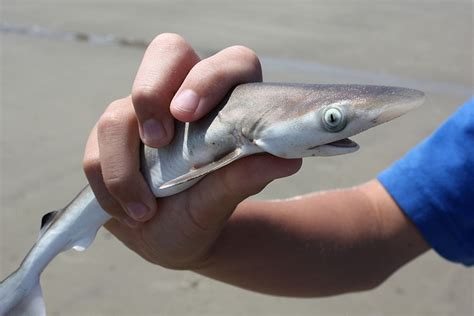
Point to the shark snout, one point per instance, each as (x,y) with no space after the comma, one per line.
(397,101)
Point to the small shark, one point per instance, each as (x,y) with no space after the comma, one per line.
(284,120)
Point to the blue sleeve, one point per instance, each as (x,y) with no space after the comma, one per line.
(434,185)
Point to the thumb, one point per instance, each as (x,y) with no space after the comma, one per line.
(187,224)
(219,193)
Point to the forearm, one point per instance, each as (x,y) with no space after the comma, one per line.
(322,244)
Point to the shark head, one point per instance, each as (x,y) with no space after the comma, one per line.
(323,117)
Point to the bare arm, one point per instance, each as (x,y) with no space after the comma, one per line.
(321,244)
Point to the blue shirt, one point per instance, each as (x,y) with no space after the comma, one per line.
(434,185)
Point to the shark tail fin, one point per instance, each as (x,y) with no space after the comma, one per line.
(20,296)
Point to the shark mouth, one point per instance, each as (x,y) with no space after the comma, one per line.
(344,143)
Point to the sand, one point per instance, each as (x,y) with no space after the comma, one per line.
(60,68)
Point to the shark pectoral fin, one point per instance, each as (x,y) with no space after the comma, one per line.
(206,169)
(85,242)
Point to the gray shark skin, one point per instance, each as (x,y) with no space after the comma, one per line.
(285,120)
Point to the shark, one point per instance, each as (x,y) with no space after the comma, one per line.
(284,120)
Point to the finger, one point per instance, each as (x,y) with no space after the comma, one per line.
(211,79)
(93,172)
(227,187)
(165,64)
(119,146)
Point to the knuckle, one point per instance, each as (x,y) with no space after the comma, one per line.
(242,65)
(206,66)
(208,69)
(144,96)
(115,105)
(175,45)
(107,121)
(242,51)
(169,39)
(113,117)
(116,183)
(246,54)
(91,165)
(111,206)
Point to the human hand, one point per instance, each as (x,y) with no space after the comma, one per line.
(172,81)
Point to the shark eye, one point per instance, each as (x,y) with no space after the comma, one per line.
(333,119)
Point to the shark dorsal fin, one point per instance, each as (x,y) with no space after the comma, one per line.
(47,218)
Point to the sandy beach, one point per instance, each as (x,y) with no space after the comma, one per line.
(62,63)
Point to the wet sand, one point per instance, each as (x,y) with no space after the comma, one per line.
(53,88)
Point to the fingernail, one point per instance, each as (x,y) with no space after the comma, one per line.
(153,131)
(186,101)
(137,210)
